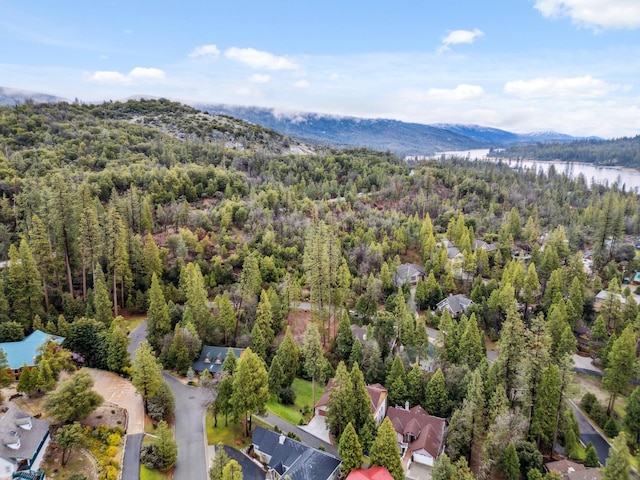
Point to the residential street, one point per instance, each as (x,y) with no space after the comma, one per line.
(191,404)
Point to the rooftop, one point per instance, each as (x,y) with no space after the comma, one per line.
(25,351)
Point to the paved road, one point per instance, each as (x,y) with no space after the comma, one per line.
(131,461)
(588,433)
(305,437)
(191,404)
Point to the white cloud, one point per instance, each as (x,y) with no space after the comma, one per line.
(596,14)
(259,59)
(560,87)
(460,36)
(147,73)
(259,78)
(462,92)
(117,78)
(102,76)
(301,84)
(208,52)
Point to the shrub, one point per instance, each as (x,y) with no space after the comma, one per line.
(113,439)
(111,451)
(587,402)
(611,428)
(287,396)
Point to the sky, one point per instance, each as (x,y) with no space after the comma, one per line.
(571,66)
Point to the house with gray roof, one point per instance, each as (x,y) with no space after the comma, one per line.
(25,351)
(285,456)
(456,304)
(409,273)
(212,358)
(23,442)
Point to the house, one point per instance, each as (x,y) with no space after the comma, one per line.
(361,334)
(604,296)
(377,396)
(420,435)
(23,442)
(25,351)
(212,358)
(286,457)
(373,473)
(572,470)
(409,273)
(456,304)
(487,247)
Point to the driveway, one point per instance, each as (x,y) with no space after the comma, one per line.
(121,392)
(588,433)
(318,428)
(191,405)
(305,437)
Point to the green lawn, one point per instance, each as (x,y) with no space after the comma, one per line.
(230,435)
(148,474)
(293,413)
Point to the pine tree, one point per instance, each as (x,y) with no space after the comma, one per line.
(264,318)
(357,354)
(632,415)
(220,459)
(344,339)
(166,448)
(340,406)
(276,376)
(232,471)
(250,388)
(545,410)
(151,260)
(28,380)
(289,355)
(415,386)
(117,348)
(384,451)
(620,365)
(350,451)
(360,399)
(226,318)
(314,360)
(74,399)
(509,463)
(158,321)
(102,305)
(146,375)
(472,350)
(436,398)
(258,342)
(591,456)
(618,466)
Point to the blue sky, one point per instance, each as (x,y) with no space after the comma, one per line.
(521,65)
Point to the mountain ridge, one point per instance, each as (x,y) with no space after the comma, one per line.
(401,138)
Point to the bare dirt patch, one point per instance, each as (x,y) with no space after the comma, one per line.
(109,414)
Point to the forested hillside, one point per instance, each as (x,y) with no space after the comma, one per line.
(213,227)
(623,152)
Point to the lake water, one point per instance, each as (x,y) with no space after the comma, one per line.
(628,177)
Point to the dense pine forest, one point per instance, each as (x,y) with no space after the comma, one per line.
(622,152)
(214,227)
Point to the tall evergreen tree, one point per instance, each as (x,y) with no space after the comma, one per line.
(158,321)
(250,388)
(314,361)
(350,451)
(620,365)
(289,355)
(436,398)
(632,415)
(384,451)
(146,375)
(618,466)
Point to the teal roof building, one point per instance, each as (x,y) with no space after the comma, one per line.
(25,351)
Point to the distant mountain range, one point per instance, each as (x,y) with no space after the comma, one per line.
(15,96)
(401,138)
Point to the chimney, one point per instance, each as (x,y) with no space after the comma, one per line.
(406,405)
